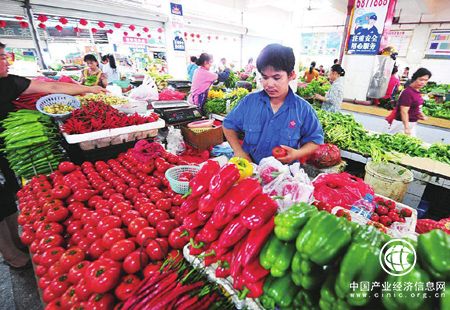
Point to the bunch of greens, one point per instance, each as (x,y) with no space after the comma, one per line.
(219,105)
(440,110)
(231,81)
(434,88)
(320,87)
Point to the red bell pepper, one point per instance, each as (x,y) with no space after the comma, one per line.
(252,289)
(223,270)
(258,212)
(236,260)
(192,221)
(254,272)
(196,248)
(231,235)
(179,237)
(200,183)
(208,233)
(189,206)
(220,217)
(207,203)
(255,242)
(223,180)
(241,194)
(203,216)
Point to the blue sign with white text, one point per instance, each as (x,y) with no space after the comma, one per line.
(364,43)
(176,9)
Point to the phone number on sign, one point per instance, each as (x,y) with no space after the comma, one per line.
(370,3)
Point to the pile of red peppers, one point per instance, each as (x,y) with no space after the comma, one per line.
(96,116)
(228,223)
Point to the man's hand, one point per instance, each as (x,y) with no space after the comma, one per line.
(97,89)
(292,154)
(319,97)
(242,154)
(423,116)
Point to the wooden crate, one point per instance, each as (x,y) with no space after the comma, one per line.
(203,140)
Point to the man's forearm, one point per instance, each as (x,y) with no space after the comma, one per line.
(69,88)
(233,139)
(405,119)
(306,149)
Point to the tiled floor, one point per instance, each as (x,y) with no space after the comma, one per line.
(18,290)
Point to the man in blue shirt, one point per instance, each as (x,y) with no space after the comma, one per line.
(274,116)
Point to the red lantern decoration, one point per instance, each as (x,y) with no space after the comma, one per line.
(149,36)
(193,40)
(18,17)
(42,26)
(101,24)
(59,28)
(200,41)
(132,27)
(110,31)
(63,20)
(209,37)
(159,38)
(94,30)
(2,24)
(185,34)
(217,37)
(23,25)
(117,25)
(42,18)
(160,30)
(76,29)
(125,33)
(192,35)
(145,29)
(138,34)
(83,22)
(198,36)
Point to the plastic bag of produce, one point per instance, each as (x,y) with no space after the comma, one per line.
(147,91)
(290,187)
(425,225)
(340,189)
(269,168)
(168,94)
(326,155)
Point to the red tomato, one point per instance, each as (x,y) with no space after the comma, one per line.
(71,257)
(54,305)
(66,167)
(84,244)
(51,256)
(50,242)
(76,273)
(107,223)
(59,285)
(165,227)
(112,236)
(101,302)
(177,200)
(77,237)
(126,287)
(96,249)
(157,196)
(57,214)
(151,269)
(120,208)
(40,270)
(146,234)
(81,290)
(136,225)
(157,215)
(44,282)
(75,226)
(164,204)
(146,208)
(61,192)
(27,237)
(47,229)
(69,298)
(135,261)
(129,216)
(121,249)
(103,275)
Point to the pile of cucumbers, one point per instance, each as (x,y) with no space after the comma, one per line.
(30,143)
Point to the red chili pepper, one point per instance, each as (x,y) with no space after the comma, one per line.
(200,183)
(189,206)
(255,242)
(260,210)
(231,235)
(192,221)
(223,180)
(207,203)
(255,289)
(254,272)
(241,194)
(223,271)
(196,248)
(236,260)
(220,217)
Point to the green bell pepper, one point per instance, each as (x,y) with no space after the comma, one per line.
(305,273)
(328,299)
(324,237)
(434,252)
(270,252)
(289,223)
(283,260)
(306,300)
(267,302)
(403,298)
(282,290)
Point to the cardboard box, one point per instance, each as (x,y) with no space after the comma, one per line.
(203,140)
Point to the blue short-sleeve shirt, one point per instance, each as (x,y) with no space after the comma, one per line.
(294,124)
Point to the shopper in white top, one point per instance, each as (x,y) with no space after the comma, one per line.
(109,68)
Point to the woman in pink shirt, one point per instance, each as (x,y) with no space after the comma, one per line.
(203,79)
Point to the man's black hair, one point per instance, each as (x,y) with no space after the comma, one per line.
(420,72)
(204,57)
(277,56)
(193,59)
(90,57)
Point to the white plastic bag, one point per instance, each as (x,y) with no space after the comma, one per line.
(175,142)
(269,168)
(147,91)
